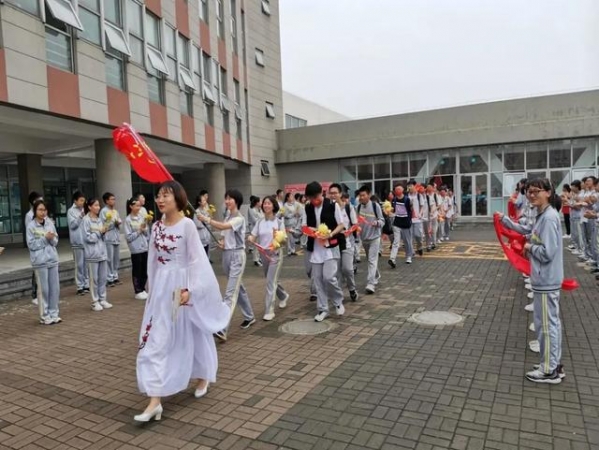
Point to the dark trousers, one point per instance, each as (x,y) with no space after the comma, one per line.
(567,222)
(33,286)
(139,268)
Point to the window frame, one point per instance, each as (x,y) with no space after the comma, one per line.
(270,110)
(204,11)
(67,32)
(259,57)
(132,34)
(220,19)
(264,168)
(266,8)
(74,24)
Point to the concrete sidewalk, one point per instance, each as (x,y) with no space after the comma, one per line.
(376,380)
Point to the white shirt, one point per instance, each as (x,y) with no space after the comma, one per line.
(346,223)
(264,230)
(234,238)
(416,208)
(322,253)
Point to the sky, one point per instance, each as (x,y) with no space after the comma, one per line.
(365,58)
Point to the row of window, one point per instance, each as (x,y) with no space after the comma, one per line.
(294,122)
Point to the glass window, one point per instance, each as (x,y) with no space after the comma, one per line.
(270,110)
(156,88)
(513,157)
(583,152)
(226,121)
(209,113)
(560,154)
(112,12)
(116,39)
(442,163)
(559,178)
(418,167)
(497,185)
(91,26)
(186,101)
(239,129)
(382,189)
(220,19)
(152,30)
(533,175)
(31,6)
(64,11)
(136,36)
(157,60)
(204,10)
(266,7)
(259,57)
(215,75)
(137,49)
(382,167)
(115,71)
(171,51)
(536,156)
(348,170)
(236,92)
(474,160)
(496,162)
(186,79)
(224,88)
(183,51)
(365,170)
(400,166)
(59,52)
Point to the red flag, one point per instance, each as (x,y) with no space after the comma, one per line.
(141,157)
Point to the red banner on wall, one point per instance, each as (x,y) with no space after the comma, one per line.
(301,187)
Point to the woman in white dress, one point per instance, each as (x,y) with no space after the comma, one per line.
(183,310)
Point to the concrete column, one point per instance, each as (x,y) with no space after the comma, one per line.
(30,179)
(215,180)
(113,174)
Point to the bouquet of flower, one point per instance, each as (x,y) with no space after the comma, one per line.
(149,216)
(282,210)
(109,217)
(323,231)
(211,210)
(387,207)
(279,238)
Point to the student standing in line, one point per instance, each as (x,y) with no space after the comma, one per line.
(112,237)
(370,235)
(33,196)
(96,255)
(42,240)
(546,275)
(402,225)
(325,251)
(263,233)
(234,258)
(348,215)
(432,203)
(75,216)
(446,211)
(254,215)
(137,235)
(566,195)
(576,201)
(142,202)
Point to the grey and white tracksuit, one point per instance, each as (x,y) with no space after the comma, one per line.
(44,260)
(346,266)
(588,227)
(546,276)
(431,222)
(307,254)
(417,209)
(234,259)
(95,257)
(203,230)
(371,238)
(75,217)
(254,215)
(138,242)
(113,242)
(28,219)
(576,223)
(291,221)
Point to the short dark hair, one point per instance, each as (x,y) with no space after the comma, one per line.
(132,201)
(275,204)
(107,196)
(77,195)
(364,188)
(279,191)
(337,186)
(178,191)
(345,195)
(33,196)
(254,201)
(313,189)
(577,184)
(566,187)
(288,195)
(203,192)
(200,195)
(37,203)
(235,195)
(298,196)
(584,179)
(412,182)
(90,202)
(396,185)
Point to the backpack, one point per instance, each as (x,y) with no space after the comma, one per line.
(387,228)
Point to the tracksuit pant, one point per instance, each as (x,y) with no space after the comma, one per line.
(372,248)
(98,277)
(48,290)
(549,329)
(326,284)
(405,235)
(235,293)
(81,276)
(272,271)
(346,270)
(114,260)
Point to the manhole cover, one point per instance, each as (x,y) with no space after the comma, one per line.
(436,318)
(307,327)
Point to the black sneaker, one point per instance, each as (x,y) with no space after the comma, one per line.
(313,298)
(560,370)
(420,252)
(117,282)
(247,323)
(392,264)
(80,292)
(434,247)
(86,290)
(537,376)
(257,264)
(353,295)
(428,249)
(595,271)
(110,284)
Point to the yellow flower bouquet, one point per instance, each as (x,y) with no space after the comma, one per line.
(387,207)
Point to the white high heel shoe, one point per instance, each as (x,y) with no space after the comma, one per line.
(199,393)
(155,414)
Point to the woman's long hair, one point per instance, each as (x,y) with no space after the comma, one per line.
(546,185)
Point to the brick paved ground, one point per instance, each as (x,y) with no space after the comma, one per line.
(375,381)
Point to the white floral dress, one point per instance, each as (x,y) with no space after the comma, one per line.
(176,343)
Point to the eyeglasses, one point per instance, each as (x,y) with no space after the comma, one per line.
(535,192)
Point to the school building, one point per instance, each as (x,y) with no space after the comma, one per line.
(480,151)
(199,79)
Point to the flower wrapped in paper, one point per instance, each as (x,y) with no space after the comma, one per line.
(281,210)
(109,216)
(211,210)
(278,240)
(150,217)
(387,207)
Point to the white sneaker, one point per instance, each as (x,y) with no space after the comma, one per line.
(591,262)
(141,296)
(370,289)
(566,236)
(531,327)
(526,280)
(321,316)
(576,252)
(46,321)
(283,303)
(530,307)
(530,295)
(409,260)
(528,286)
(34,302)
(268,317)
(105,304)
(534,346)
(96,307)
(340,309)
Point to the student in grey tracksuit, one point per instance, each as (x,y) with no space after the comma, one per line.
(112,238)
(33,196)
(42,240)
(402,225)
(545,249)
(137,235)
(254,215)
(94,230)
(370,235)
(234,258)
(75,216)
(576,218)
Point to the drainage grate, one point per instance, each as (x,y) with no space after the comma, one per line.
(306,327)
(436,318)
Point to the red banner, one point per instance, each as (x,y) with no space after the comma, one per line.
(514,249)
(301,187)
(143,160)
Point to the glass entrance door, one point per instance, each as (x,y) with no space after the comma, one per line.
(474,192)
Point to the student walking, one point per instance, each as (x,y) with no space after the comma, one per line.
(402,225)
(112,237)
(416,200)
(291,215)
(265,232)
(75,216)
(547,273)
(33,197)
(42,240)
(234,258)
(137,235)
(254,215)
(203,209)
(96,256)
(370,235)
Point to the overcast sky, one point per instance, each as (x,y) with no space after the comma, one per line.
(366,58)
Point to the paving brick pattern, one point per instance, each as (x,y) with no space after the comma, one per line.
(375,381)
